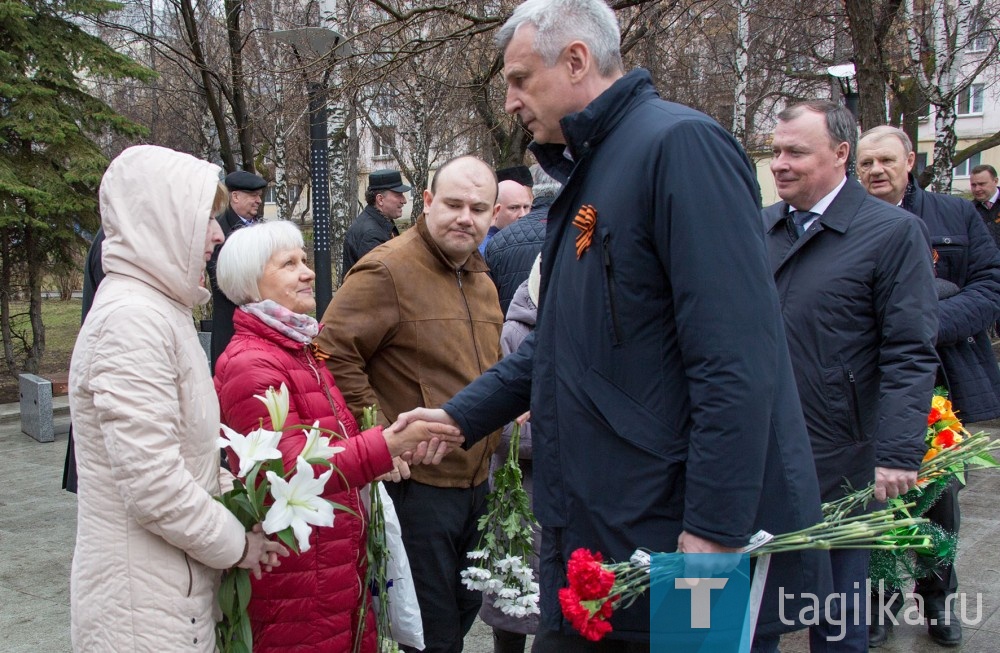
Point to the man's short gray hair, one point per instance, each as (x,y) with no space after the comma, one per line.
(841,126)
(560,22)
(887,131)
(246,252)
(543,185)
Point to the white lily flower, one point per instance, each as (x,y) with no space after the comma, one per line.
(317,445)
(297,503)
(252,448)
(277,405)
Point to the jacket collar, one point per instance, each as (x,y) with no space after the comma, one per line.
(913,198)
(243,321)
(375,213)
(475,263)
(585,129)
(838,215)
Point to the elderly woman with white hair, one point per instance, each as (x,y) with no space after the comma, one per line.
(312,601)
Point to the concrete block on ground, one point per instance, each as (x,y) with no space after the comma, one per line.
(36,407)
(206,343)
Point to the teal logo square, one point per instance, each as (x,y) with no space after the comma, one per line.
(699,603)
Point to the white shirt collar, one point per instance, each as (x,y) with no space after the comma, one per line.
(821,206)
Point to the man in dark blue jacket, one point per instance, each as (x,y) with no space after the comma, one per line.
(967,271)
(860,310)
(512,251)
(663,405)
(385,198)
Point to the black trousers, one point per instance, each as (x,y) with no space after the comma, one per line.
(439,527)
(937,586)
(942,582)
(550,641)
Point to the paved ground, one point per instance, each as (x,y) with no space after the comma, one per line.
(38,524)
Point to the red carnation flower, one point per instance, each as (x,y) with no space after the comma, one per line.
(591,626)
(572,609)
(587,576)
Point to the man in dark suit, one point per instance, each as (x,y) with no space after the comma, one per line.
(983,182)
(659,358)
(860,310)
(246,199)
(967,274)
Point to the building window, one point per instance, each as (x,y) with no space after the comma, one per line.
(970,100)
(963,168)
(384,138)
(269,194)
(979,34)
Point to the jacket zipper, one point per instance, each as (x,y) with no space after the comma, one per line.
(859,434)
(326,391)
(609,277)
(187,561)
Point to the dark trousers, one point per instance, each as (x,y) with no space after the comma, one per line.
(845,629)
(439,528)
(934,588)
(550,641)
(942,582)
(504,641)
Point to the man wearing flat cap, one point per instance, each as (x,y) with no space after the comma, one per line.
(246,197)
(376,224)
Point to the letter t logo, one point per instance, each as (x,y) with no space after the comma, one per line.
(701,597)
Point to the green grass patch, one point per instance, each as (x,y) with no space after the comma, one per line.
(62,324)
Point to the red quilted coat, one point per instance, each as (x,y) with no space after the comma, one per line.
(310,602)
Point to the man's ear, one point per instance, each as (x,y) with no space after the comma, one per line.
(911,158)
(578,59)
(428,197)
(843,151)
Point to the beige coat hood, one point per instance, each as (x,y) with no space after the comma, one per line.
(158,200)
(151,538)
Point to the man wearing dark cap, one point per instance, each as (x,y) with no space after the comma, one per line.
(376,224)
(520,174)
(246,196)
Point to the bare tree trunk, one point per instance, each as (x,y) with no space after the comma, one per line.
(241,115)
(945,141)
(341,203)
(207,85)
(868,71)
(741,62)
(6,264)
(34,260)
(280,158)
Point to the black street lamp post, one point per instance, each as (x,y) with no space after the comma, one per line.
(317,43)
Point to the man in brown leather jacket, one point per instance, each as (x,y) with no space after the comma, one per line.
(414,323)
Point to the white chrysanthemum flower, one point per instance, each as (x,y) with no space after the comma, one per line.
(508,593)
